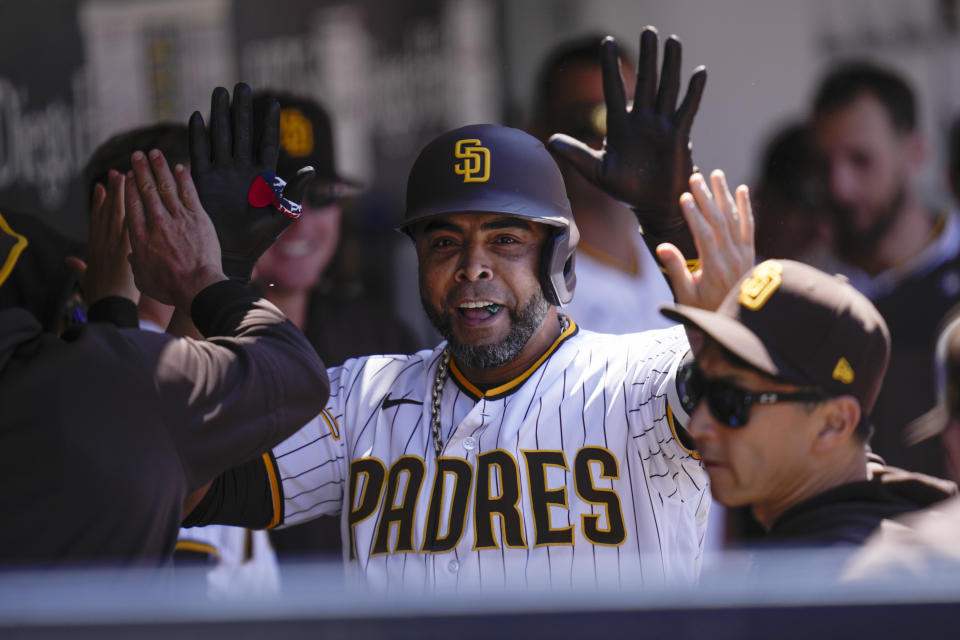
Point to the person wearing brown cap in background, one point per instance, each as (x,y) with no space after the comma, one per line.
(923,544)
(786,373)
(303,274)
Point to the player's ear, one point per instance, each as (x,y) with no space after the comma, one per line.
(839,418)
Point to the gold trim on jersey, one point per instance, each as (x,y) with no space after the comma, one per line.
(11,258)
(270,464)
(331,424)
(613,509)
(545,528)
(197,547)
(505,478)
(391,513)
(437,501)
(507,387)
(673,429)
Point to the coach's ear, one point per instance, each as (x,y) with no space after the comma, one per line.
(839,419)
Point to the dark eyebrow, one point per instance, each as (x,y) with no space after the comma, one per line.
(440,225)
(507,223)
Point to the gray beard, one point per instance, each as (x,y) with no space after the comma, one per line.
(523,324)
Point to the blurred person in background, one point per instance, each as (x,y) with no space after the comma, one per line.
(300,274)
(791,222)
(620,286)
(924,544)
(899,252)
(114,154)
(781,418)
(241,560)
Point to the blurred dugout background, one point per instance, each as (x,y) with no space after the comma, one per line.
(394,74)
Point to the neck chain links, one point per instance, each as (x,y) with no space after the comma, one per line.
(443,368)
(438,382)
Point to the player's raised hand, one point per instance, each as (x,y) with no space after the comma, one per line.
(106,272)
(722,230)
(645,160)
(174,248)
(233,163)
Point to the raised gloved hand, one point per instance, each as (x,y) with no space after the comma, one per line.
(233,164)
(645,161)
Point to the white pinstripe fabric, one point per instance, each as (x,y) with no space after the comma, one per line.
(595,390)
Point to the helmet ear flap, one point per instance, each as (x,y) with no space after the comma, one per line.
(557,275)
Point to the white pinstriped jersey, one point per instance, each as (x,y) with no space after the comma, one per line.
(569,475)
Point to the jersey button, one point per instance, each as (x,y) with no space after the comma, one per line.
(454,566)
(469,443)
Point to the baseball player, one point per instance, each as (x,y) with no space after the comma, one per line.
(521,451)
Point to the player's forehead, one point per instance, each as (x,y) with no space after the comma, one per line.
(864,122)
(477,222)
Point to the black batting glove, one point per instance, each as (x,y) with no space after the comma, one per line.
(646,160)
(233,164)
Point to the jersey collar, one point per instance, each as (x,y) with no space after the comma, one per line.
(508,387)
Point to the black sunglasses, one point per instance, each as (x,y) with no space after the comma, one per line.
(728,403)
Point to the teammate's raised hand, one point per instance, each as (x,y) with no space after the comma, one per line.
(106,271)
(722,230)
(174,248)
(645,160)
(233,163)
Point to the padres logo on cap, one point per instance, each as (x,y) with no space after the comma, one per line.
(757,289)
(296,133)
(476,160)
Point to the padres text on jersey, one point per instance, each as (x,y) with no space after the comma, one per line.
(570,475)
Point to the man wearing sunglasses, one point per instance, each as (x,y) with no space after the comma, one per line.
(786,372)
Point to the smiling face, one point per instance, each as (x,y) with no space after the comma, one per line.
(299,257)
(479,284)
(765,463)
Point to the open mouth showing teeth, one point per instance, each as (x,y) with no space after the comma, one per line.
(480,308)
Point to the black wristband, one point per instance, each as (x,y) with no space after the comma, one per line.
(117,310)
(218,309)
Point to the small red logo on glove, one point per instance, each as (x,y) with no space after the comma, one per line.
(267,191)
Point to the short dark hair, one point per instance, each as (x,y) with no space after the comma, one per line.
(579,51)
(170,138)
(850,80)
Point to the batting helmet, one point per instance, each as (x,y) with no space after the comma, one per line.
(487,168)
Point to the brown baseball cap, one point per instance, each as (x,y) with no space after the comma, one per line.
(306,138)
(801,325)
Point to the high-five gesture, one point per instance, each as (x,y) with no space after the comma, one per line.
(722,229)
(645,160)
(233,163)
(174,249)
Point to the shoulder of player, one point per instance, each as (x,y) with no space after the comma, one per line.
(376,375)
(651,342)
